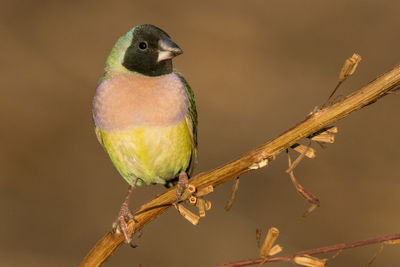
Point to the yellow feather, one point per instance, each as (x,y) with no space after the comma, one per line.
(153,154)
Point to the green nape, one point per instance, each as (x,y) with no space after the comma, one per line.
(116,57)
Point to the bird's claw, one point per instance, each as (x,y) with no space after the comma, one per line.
(120,223)
(182,184)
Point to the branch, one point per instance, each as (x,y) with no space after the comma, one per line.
(254,159)
(337,247)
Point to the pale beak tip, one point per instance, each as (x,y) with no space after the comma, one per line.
(168,49)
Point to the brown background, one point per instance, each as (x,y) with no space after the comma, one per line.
(257,67)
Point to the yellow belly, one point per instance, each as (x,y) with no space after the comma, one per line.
(152,154)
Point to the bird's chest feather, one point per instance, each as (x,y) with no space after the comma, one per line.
(129,100)
(153,154)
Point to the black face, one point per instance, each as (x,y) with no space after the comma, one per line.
(141,56)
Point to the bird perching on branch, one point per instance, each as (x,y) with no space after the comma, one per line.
(145,114)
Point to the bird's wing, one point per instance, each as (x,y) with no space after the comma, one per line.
(191,120)
(98,135)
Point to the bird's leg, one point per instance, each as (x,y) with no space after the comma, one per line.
(182,184)
(125,214)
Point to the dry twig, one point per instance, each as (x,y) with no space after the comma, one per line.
(310,198)
(348,69)
(235,188)
(263,154)
(314,251)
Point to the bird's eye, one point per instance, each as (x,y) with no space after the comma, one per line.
(143,45)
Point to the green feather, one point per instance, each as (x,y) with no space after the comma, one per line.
(192,122)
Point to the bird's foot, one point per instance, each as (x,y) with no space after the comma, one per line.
(120,223)
(182,184)
(124,216)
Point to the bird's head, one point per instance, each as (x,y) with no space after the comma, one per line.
(150,51)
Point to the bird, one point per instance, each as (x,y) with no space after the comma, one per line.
(145,114)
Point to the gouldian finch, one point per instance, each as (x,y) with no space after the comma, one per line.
(144,113)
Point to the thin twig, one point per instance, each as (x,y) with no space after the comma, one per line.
(376,255)
(265,153)
(337,247)
(296,162)
(310,198)
(235,188)
(334,90)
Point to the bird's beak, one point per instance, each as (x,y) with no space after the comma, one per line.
(168,49)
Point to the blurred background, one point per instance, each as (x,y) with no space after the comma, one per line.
(257,68)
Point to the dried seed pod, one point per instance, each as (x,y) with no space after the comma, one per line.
(348,69)
(269,241)
(192,200)
(309,152)
(190,189)
(187,214)
(200,205)
(333,129)
(392,242)
(275,250)
(207,204)
(349,66)
(260,164)
(309,261)
(258,237)
(205,190)
(324,137)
